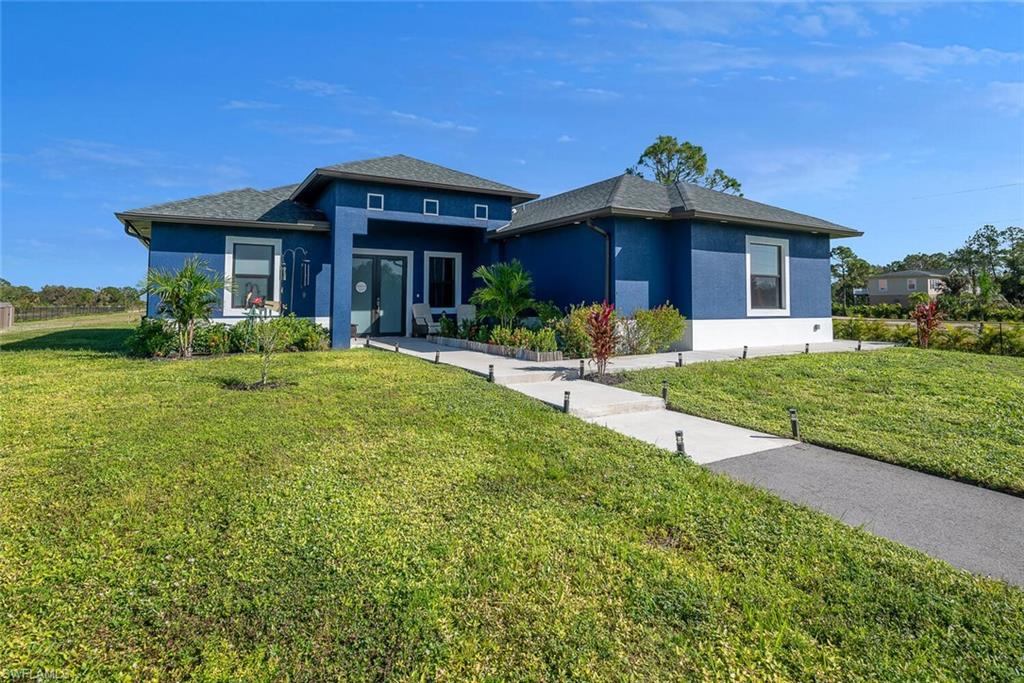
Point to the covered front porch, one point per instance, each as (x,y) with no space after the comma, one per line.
(398,261)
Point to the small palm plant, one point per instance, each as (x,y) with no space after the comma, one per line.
(507,291)
(187,296)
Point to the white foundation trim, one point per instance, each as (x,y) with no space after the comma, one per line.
(458,278)
(229,267)
(707,335)
(361,251)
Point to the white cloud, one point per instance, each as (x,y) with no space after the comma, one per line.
(433,123)
(566,138)
(248,104)
(773,174)
(313,134)
(811,25)
(598,93)
(1007,98)
(316,87)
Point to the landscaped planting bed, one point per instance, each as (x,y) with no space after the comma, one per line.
(958,415)
(384,518)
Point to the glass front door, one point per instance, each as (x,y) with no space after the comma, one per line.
(378,295)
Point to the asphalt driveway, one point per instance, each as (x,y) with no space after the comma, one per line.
(973,528)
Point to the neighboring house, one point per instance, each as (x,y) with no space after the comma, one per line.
(896,287)
(355,245)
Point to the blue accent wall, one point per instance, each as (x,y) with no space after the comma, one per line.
(172,243)
(409,199)
(567,263)
(643,252)
(719,279)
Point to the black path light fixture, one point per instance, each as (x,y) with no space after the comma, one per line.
(680,445)
(679,359)
(565,403)
(490,373)
(583,367)
(664,390)
(794,423)
(744,352)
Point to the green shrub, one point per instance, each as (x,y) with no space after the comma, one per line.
(547,312)
(153,337)
(301,334)
(448,327)
(903,334)
(658,328)
(501,335)
(544,340)
(212,339)
(1008,341)
(954,338)
(572,333)
(242,337)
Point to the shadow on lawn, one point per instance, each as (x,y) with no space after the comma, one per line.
(85,339)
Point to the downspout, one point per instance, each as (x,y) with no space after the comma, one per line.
(607,258)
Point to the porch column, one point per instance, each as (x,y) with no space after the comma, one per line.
(347,223)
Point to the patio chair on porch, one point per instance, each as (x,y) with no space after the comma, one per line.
(423,320)
(465,312)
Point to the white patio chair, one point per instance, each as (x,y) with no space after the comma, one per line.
(423,320)
(465,312)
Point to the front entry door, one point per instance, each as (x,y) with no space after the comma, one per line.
(378,295)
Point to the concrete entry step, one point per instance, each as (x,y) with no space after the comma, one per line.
(589,399)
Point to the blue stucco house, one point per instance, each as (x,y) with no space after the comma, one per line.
(355,245)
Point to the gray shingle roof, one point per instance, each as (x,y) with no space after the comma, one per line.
(247,204)
(913,273)
(408,170)
(629,194)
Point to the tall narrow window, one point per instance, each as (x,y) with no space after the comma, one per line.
(765,276)
(480,211)
(252,274)
(883,285)
(911,285)
(441,281)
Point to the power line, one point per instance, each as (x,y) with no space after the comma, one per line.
(976,189)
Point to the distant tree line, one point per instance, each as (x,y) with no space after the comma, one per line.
(22,296)
(989,267)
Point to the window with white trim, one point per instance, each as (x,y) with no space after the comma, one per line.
(767,276)
(883,285)
(251,264)
(480,211)
(374,202)
(431,207)
(911,285)
(441,274)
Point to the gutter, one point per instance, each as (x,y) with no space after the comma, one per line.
(607,258)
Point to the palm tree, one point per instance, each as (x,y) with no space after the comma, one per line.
(507,291)
(186,297)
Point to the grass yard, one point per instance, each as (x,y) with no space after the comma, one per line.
(958,415)
(383,517)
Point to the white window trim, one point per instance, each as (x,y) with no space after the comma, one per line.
(436,212)
(911,281)
(409,258)
(487,211)
(229,267)
(373,208)
(768,312)
(883,285)
(458,278)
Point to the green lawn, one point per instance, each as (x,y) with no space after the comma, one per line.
(959,415)
(383,517)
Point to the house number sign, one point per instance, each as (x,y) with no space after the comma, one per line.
(360,287)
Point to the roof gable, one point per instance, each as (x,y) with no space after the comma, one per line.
(628,194)
(406,170)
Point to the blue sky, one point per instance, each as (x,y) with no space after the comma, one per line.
(889,118)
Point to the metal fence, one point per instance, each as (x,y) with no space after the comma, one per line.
(33,313)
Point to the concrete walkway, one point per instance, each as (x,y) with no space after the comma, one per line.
(973,528)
